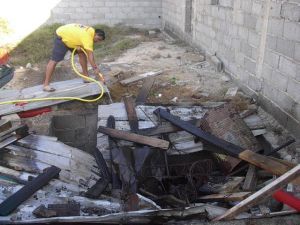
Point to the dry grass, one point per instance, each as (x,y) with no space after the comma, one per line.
(37,47)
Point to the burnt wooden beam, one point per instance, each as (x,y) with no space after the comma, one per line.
(264,162)
(12,202)
(131,114)
(97,189)
(262,194)
(115,180)
(165,128)
(154,142)
(102,164)
(144,91)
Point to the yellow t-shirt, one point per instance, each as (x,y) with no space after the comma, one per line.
(74,35)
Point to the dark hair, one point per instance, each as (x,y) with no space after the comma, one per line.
(100,33)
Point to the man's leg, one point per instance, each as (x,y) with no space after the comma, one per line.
(58,53)
(83,63)
(49,72)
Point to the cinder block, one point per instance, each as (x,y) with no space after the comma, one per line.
(254,39)
(291,11)
(284,101)
(293,89)
(297,52)
(68,122)
(271,42)
(271,58)
(293,126)
(279,80)
(285,47)
(269,91)
(292,30)
(255,83)
(275,9)
(250,65)
(296,111)
(275,27)
(214,2)
(257,8)
(272,108)
(287,67)
(250,21)
(246,49)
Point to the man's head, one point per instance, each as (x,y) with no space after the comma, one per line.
(99,35)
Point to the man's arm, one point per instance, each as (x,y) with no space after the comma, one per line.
(91,59)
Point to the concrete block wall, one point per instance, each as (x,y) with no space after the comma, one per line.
(137,13)
(257,40)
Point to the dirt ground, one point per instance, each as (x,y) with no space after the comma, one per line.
(186,76)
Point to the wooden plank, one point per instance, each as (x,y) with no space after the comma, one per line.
(144,91)
(154,142)
(165,128)
(140,77)
(261,194)
(5,125)
(251,179)
(231,197)
(11,130)
(70,88)
(131,114)
(270,164)
(12,202)
(21,132)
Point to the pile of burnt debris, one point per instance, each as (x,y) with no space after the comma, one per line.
(152,164)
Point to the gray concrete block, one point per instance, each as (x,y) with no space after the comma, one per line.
(275,27)
(290,11)
(273,109)
(286,66)
(64,135)
(279,80)
(68,122)
(296,111)
(250,65)
(250,21)
(272,59)
(293,90)
(269,91)
(275,9)
(284,101)
(257,8)
(267,72)
(297,52)
(285,47)
(293,126)
(243,33)
(254,39)
(246,49)
(255,83)
(292,30)
(271,42)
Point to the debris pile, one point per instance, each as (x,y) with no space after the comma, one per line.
(152,164)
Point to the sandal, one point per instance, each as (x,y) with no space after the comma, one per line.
(48,89)
(86,81)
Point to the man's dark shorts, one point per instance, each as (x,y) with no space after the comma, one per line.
(59,50)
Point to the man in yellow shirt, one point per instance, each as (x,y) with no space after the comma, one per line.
(72,36)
